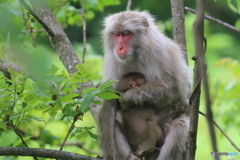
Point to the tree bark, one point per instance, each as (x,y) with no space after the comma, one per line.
(44,153)
(199,73)
(179,36)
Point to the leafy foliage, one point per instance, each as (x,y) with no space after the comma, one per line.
(228,93)
(55,95)
(234,7)
(70,11)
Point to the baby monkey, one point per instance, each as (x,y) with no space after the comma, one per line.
(143,126)
(130,80)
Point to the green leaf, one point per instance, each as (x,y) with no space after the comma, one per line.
(19,141)
(38,119)
(238,6)
(107,95)
(111,2)
(91,93)
(69,98)
(97,102)
(83,134)
(92,3)
(237,24)
(68,110)
(4,105)
(231,6)
(41,106)
(53,70)
(4,112)
(89,89)
(85,104)
(92,135)
(26,119)
(52,113)
(106,84)
(3,125)
(90,15)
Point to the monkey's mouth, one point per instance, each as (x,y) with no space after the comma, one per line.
(123,56)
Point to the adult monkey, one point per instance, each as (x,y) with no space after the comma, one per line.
(132,42)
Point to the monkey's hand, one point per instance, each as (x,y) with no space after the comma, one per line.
(132,157)
(150,93)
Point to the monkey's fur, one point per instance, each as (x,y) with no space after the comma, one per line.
(161,61)
(130,80)
(145,127)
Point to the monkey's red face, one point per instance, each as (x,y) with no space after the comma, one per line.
(122,43)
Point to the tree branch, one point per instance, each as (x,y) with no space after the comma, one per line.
(129,3)
(44,153)
(215,20)
(84,31)
(4,66)
(70,130)
(199,39)
(60,42)
(220,129)
(42,13)
(178,25)
(195,96)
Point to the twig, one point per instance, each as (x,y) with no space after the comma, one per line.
(46,27)
(215,20)
(84,31)
(220,129)
(44,153)
(129,5)
(13,127)
(70,130)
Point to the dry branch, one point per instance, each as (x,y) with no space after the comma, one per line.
(84,31)
(199,43)
(200,72)
(195,97)
(4,66)
(215,20)
(129,5)
(220,129)
(44,153)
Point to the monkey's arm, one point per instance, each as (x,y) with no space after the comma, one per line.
(151,93)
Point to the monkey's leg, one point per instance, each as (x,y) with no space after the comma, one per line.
(106,123)
(175,142)
(123,148)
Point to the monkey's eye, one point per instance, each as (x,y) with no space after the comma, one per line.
(116,33)
(125,33)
